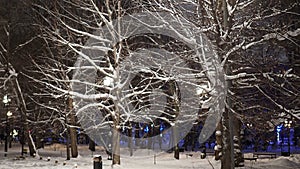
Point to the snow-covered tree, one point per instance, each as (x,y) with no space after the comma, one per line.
(143,67)
(14,45)
(112,86)
(253,39)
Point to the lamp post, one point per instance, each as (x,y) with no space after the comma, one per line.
(287,125)
(6,101)
(8,115)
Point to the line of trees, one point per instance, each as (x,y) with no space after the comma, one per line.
(257,44)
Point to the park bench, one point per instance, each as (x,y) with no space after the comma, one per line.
(250,158)
(210,153)
(264,154)
(189,154)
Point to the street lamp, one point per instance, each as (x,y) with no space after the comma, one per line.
(8,115)
(287,125)
(6,102)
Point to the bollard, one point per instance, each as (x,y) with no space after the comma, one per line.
(97,162)
(109,152)
(203,153)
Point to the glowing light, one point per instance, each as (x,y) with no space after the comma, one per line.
(161,128)
(146,130)
(278,129)
(9,113)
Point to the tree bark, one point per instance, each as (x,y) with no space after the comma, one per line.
(67,139)
(73,140)
(227,160)
(116,147)
(219,144)
(175,139)
(238,156)
(92,145)
(116,118)
(23,109)
(73,133)
(116,159)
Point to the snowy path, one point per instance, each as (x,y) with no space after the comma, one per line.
(163,161)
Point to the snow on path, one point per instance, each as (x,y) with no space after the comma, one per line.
(163,161)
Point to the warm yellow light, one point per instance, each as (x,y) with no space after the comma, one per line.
(6,99)
(9,113)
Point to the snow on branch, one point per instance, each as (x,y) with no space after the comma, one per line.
(290,112)
(282,37)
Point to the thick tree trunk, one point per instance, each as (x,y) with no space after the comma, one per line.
(175,139)
(72,129)
(26,137)
(68,146)
(116,147)
(92,145)
(238,156)
(38,138)
(67,139)
(175,105)
(219,144)
(116,159)
(227,160)
(73,140)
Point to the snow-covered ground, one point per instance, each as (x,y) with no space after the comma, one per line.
(57,157)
